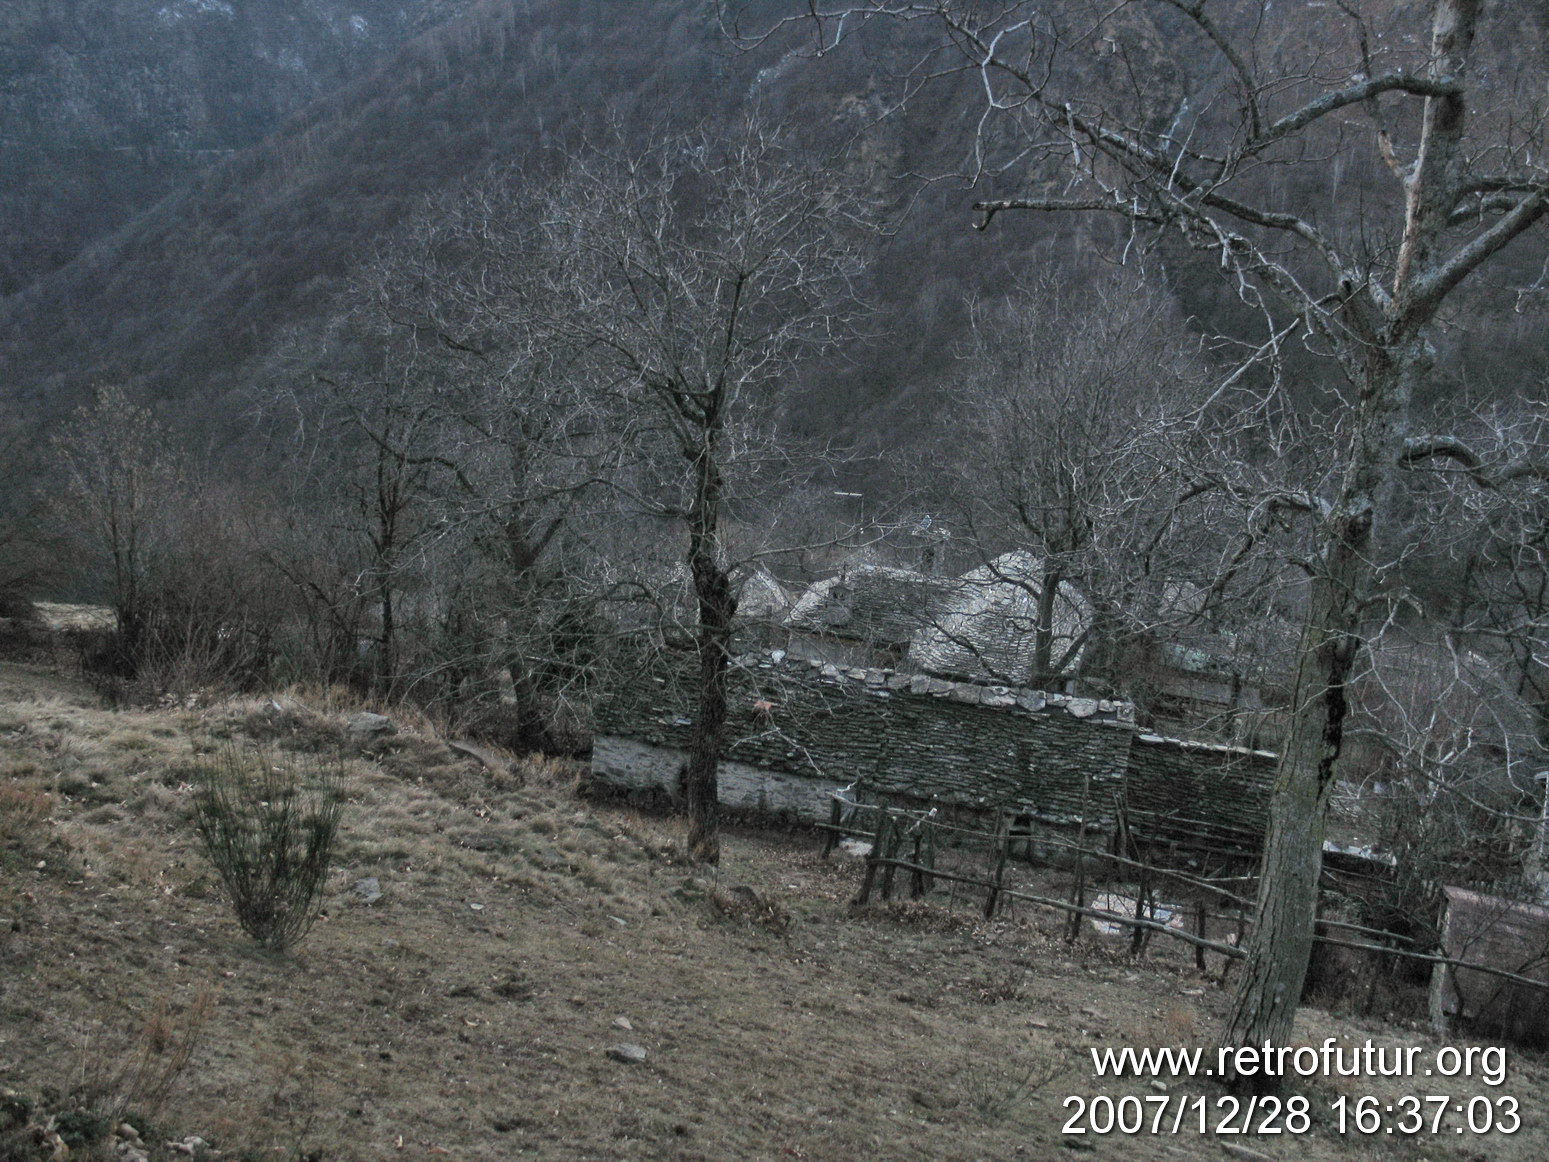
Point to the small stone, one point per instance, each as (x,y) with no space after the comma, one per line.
(627,1053)
(368,890)
(622,1023)
(477,907)
(692,888)
(367,725)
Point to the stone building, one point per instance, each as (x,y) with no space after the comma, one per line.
(980,626)
(1498,933)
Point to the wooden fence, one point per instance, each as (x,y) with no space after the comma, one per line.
(910,838)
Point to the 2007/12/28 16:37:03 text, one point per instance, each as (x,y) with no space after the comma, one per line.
(1410,1115)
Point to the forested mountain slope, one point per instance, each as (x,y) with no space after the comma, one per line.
(107,105)
(188,302)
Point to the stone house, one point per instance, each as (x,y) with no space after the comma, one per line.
(979,626)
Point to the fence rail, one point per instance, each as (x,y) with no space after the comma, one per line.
(921,828)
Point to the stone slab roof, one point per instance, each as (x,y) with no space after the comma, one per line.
(874,604)
(980,625)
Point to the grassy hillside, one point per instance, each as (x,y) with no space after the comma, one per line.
(520,934)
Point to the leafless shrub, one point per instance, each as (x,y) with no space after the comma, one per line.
(741,903)
(269,831)
(143,1078)
(993,1087)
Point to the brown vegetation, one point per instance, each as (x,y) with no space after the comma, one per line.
(470,1008)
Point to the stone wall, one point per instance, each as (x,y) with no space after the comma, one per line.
(1192,789)
(800,729)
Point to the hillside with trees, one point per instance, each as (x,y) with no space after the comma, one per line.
(569,345)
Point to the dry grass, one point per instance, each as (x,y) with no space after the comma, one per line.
(23,809)
(468,1010)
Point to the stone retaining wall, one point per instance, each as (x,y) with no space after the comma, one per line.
(799,730)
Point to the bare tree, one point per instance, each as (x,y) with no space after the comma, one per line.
(119,473)
(688,280)
(1230,140)
(1492,578)
(514,446)
(26,558)
(362,462)
(168,544)
(1071,436)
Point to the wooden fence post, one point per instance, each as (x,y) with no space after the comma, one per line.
(1002,851)
(1142,936)
(884,822)
(890,849)
(835,820)
(925,855)
(1200,930)
(1078,894)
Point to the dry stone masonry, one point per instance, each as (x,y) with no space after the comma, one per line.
(800,730)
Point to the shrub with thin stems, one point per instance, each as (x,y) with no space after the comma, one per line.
(268,826)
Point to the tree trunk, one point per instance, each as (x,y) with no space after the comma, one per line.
(1270,987)
(1043,632)
(387,645)
(1390,336)
(717,607)
(531,732)
(389,504)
